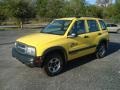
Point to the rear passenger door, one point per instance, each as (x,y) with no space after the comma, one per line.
(94,31)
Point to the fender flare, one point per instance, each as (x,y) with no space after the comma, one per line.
(104,40)
(51,49)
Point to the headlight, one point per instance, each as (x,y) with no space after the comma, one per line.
(25,49)
(15,44)
(30,51)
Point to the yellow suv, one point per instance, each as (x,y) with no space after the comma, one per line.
(62,40)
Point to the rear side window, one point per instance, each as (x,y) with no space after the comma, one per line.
(103,25)
(113,25)
(93,25)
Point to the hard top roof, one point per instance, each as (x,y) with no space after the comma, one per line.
(72,18)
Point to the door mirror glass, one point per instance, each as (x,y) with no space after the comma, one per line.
(72,35)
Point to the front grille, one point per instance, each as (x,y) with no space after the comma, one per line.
(20,48)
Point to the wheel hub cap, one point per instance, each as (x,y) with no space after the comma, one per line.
(54,65)
(102,51)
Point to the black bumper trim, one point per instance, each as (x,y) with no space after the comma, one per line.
(25,59)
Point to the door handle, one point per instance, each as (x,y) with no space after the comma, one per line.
(99,33)
(86,37)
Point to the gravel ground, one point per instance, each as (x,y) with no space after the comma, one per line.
(85,73)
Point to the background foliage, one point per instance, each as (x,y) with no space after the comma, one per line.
(24,10)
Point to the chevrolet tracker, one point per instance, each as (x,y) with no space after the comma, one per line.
(62,40)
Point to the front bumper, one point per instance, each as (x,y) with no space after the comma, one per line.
(27,59)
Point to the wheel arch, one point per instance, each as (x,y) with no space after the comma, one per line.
(58,49)
(105,41)
(118,30)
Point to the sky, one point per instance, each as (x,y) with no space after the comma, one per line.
(93,1)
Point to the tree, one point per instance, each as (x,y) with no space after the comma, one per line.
(49,8)
(41,7)
(22,11)
(67,10)
(54,8)
(3,17)
(109,12)
(78,7)
(113,12)
(94,11)
(3,14)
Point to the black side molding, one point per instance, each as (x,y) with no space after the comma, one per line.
(78,50)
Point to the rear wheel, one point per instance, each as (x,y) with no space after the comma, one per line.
(54,64)
(118,31)
(101,51)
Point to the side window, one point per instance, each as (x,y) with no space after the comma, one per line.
(113,25)
(103,25)
(79,27)
(93,26)
(108,25)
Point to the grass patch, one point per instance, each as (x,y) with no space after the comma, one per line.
(4,29)
(18,29)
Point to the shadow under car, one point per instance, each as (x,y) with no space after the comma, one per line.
(113,47)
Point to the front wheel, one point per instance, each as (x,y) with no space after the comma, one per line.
(101,51)
(54,64)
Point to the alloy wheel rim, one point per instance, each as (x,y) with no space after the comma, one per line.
(102,51)
(54,65)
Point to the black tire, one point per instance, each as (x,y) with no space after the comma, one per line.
(118,31)
(53,61)
(101,51)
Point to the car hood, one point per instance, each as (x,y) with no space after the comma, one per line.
(38,39)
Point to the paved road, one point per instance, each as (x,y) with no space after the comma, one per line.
(86,73)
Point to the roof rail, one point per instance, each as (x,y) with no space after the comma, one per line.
(78,16)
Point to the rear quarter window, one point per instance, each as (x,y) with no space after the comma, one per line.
(103,25)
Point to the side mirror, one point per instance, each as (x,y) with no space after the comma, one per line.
(72,35)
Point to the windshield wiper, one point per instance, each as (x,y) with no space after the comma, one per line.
(50,33)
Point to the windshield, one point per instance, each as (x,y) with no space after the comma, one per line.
(57,27)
